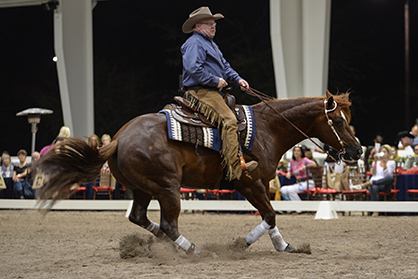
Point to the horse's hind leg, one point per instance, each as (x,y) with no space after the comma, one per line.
(170,210)
(139,213)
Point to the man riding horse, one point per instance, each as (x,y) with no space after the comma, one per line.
(205,73)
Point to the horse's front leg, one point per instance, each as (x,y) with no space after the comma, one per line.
(255,193)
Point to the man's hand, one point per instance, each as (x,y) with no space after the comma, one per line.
(243,84)
(222,83)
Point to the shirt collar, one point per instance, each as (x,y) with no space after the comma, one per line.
(203,35)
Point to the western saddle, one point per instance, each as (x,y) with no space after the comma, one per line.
(185,113)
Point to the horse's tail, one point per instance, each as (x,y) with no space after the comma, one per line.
(69,163)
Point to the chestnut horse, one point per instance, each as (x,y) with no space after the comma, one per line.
(142,158)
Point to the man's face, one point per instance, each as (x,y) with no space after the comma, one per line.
(207,27)
(35,156)
(406,141)
(416,150)
(414,131)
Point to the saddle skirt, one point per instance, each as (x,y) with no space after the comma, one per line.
(191,126)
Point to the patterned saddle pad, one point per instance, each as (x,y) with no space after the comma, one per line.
(205,136)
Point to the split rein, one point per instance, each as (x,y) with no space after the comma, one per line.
(263,97)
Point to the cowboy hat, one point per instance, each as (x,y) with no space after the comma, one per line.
(198,15)
(404,134)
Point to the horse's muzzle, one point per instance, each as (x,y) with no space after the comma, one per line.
(353,152)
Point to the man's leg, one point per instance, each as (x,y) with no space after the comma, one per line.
(213,106)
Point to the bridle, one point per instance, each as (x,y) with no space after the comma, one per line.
(263,97)
(331,125)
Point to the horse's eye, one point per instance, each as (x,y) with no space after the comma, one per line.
(339,123)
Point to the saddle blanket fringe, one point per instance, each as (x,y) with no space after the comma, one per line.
(207,137)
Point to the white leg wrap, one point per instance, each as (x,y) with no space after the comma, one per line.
(257,232)
(153,227)
(183,243)
(277,239)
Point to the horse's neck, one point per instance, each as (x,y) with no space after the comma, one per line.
(301,112)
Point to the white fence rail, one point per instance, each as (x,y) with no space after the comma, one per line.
(220,205)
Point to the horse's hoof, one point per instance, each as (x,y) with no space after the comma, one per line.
(289,248)
(196,252)
(303,249)
(204,254)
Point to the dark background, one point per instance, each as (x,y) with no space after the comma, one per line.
(137,62)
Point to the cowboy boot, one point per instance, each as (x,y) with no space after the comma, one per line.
(362,186)
(251,165)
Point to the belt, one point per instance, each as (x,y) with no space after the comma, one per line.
(198,87)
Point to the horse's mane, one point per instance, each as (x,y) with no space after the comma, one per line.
(341,99)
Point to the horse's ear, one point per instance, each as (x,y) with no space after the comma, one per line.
(330,100)
(345,97)
(328,94)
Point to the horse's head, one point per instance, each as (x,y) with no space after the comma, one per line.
(337,132)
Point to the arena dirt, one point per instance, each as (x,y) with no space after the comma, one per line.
(77,244)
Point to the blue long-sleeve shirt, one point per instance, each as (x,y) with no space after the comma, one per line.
(204,64)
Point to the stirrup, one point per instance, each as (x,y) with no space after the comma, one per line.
(248,167)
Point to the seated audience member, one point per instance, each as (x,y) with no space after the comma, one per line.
(1,161)
(404,140)
(297,168)
(414,138)
(378,138)
(7,171)
(26,178)
(412,161)
(106,139)
(19,179)
(309,155)
(394,155)
(282,165)
(63,134)
(414,132)
(94,141)
(382,174)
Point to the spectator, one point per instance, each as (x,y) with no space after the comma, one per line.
(404,140)
(94,141)
(414,132)
(309,155)
(297,168)
(378,138)
(19,179)
(7,171)
(412,161)
(414,138)
(63,134)
(394,155)
(35,157)
(106,139)
(382,174)
(1,161)
(282,165)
